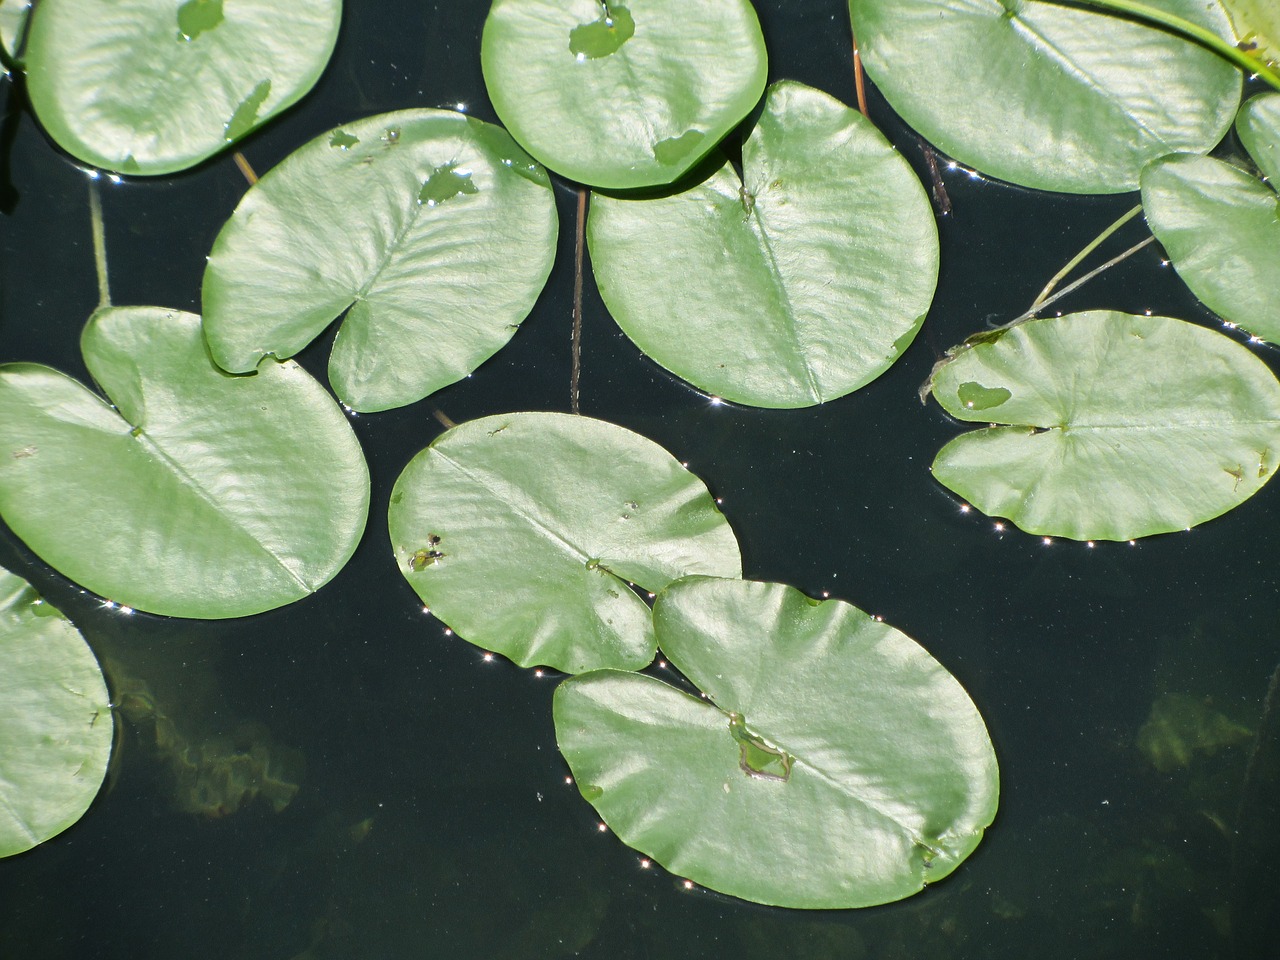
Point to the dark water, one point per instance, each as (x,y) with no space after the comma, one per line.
(433,818)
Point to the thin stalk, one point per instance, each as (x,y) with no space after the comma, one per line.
(1186,28)
(1079,257)
(576,346)
(246,171)
(99,243)
(859,82)
(1077,284)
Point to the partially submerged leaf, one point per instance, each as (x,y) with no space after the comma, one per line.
(1114,426)
(55,720)
(1180,727)
(1221,230)
(834,764)
(622,95)
(523,531)
(156,86)
(435,229)
(796,285)
(197,494)
(1048,95)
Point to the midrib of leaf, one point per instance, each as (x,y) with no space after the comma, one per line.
(195,486)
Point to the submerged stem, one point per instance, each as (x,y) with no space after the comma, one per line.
(1193,31)
(99,243)
(859,83)
(1076,260)
(576,346)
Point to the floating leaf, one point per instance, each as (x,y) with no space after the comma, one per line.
(198,494)
(155,86)
(1049,95)
(836,764)
(618,95)
(1220,227)
(1114,427)
(799,283)
(523,531)
(13,22)
(1259,129)
(435,229)
(1257,24)
(55,720)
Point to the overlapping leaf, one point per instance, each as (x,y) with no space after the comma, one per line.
(194,494)
(1106,426)
(622,95)
(55,720)
(1049,95)
(155,86)
(435,229)
(523,531)
(835,764)
(795,285)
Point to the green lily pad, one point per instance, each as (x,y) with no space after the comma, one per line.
(523,531)
(196,493)
(1106,426)
(1257,24)
(622,95)
(834,764)
(435,229)
(155,86)
(797,284)
(1049,95)
(1221,229)
(13,21)
(55,720)
(1259,128)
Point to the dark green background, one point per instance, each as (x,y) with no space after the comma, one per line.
(478,847)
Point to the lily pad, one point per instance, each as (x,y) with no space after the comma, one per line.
(1107,426)
(195,493)
(622,95)
(1221,230)
(435,229)
(835,764)
(155,86)
(1257,24)
(523,532)
(13,22)
(55,720)
(1049,95)
(797,284)
(1259,128)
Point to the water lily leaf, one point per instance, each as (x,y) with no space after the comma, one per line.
(1047,95)
(13,21)
(835,764)
(1259,128)
(797,284)
(198,494)
(1257,24)
(435,229)
(522,532)
(1221,230)
(155,86)
(622,95)
(55,720)
(1107,426)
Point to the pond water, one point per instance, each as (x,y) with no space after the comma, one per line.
(432,816)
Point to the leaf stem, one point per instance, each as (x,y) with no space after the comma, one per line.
(99,243)
(576,346)
(1076,260)
(859,83)
(1186,28)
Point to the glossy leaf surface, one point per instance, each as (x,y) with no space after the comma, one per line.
(1106,426)
(1257,24)
(615,95)
(435,229)
(1049,95)
(198,494)
(156,86)
(55,720)
(1259,128)
(1221,229)
(13,20)
(522,531)
(796,285)
(835,764)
